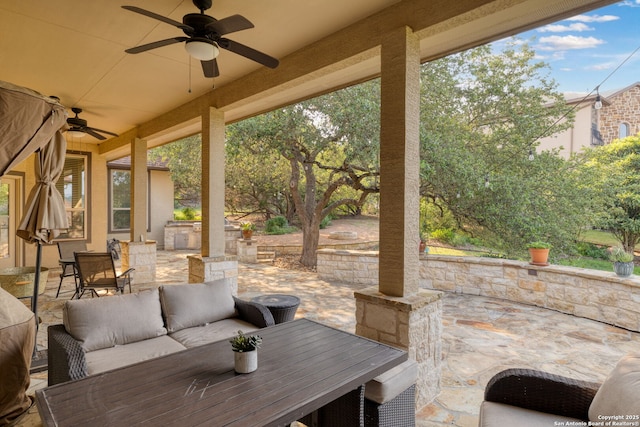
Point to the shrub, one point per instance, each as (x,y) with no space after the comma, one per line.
(326,221)
(278,225)
(591,250)
(444,235)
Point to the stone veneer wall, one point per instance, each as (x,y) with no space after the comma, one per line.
(597,295)
(190,232)
(624,108)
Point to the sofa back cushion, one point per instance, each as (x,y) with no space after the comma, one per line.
(114,320)
(618,394)
(185,306)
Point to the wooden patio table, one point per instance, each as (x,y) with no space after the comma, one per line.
(302,366)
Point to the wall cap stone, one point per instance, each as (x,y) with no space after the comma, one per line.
(406,304)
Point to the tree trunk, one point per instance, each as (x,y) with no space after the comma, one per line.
(310,240)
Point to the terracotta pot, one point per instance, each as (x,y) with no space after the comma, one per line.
(423,246)
(246,234)
(539,256)
(245,361)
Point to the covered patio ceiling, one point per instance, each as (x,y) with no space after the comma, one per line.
(74,49)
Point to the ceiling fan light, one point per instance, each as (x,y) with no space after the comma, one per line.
(76,133)
(202,50)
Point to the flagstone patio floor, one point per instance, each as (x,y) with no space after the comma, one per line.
(481,336)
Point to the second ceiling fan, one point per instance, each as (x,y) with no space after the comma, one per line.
(204,37)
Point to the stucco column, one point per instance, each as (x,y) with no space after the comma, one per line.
(213,263)
(399,164)
(213,134)
(139,187)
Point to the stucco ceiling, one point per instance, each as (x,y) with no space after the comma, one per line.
(74,49)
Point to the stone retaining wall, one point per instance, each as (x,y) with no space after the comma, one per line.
(597,295)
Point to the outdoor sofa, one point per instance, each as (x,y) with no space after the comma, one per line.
(100,334)
(525,397)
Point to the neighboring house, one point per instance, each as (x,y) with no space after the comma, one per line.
(619,117)
(160,199)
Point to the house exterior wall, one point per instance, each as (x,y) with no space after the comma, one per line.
(574,139)
(623,108)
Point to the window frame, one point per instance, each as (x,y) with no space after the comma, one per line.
(111,229)
(86,156)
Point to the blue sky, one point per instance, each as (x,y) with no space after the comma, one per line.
(584,50)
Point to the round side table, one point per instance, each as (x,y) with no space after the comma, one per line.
(282,307)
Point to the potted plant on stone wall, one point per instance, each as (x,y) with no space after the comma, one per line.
(247,228)
(539,252)
(622,261)
(245,352)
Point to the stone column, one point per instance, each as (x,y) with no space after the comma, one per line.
(248,250)
(412,323)
(142,257)
(205,269)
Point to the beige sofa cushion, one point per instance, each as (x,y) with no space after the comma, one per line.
(212,332)
(124,355)
(619,392)
(114,320)
(494,414)
(387,386)
(185,306)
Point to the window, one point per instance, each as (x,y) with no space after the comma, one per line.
(120,197)
(73,184)
(623,130)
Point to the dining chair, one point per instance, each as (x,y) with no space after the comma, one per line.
(66,250)
(96,270)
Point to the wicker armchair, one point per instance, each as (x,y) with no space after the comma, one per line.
(542,392)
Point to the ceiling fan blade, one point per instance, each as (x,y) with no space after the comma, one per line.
(249,53)
(160,43)
(230,24)
(158,17)
(210,68)
(100,130)
(94,134)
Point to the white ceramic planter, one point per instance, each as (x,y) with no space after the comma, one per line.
(246,361)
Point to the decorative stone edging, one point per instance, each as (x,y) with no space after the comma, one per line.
(593,294)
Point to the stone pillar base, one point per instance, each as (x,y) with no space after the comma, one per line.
(142,257)
(248,250)
(213,268)
(412,323)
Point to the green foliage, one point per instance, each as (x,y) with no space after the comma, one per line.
(481,114)
(538,245)
(444,235)
(591,250)
(618,254)
(278,225)
(242,343)
(247,226)
(187,214)
(614,171)
(326,221)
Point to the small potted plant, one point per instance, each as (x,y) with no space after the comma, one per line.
(247,228)
(245,352)
(539,252)
(423,242)
(622,261)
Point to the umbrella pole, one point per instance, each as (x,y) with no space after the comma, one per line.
(36,284)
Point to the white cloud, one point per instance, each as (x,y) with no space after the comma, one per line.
(630,3)
(568,42)
(602,66)
(558,28)
(594,18)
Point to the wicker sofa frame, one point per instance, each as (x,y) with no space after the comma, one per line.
(67,358)
(542,392)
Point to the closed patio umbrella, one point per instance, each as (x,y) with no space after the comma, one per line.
(45,214)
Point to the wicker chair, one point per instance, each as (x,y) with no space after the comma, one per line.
(96,270)
(535,398)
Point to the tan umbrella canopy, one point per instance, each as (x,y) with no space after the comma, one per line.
(32,122)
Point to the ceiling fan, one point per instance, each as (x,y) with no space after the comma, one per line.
(205,37)
(78,127)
